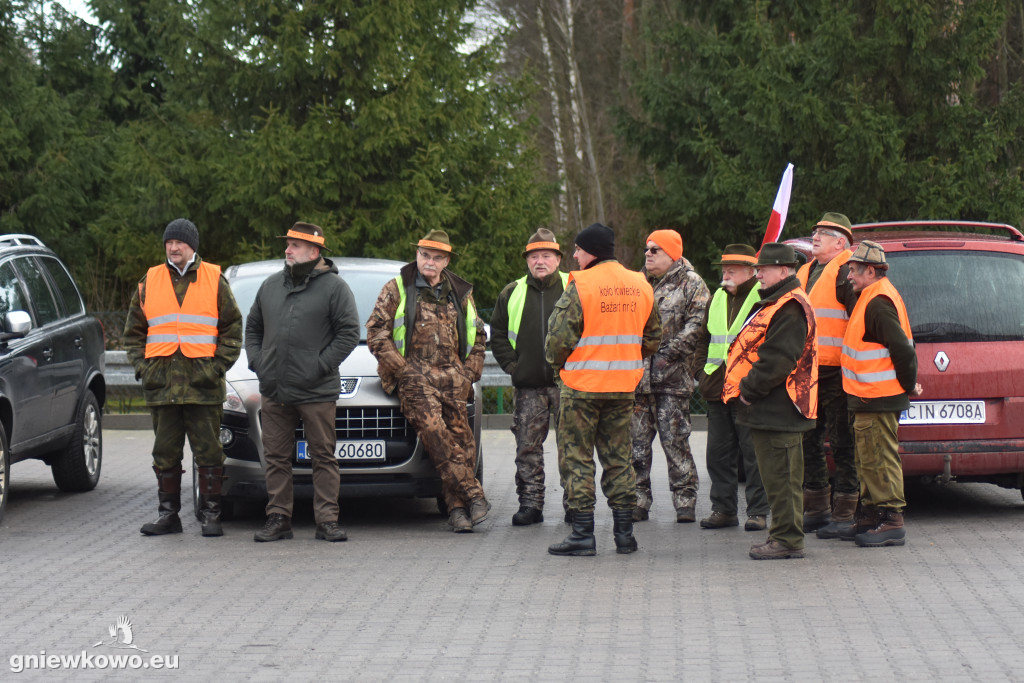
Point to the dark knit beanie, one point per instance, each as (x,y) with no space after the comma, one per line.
(598,241)
(183,230)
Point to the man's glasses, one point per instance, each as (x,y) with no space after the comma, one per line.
(825,231)
(434,259)
(652,250)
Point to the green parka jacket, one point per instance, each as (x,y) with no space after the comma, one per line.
(299,330)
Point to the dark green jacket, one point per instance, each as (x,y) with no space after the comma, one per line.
(526,361)
(882,326)
(764,386)
(178,379)
(301,327)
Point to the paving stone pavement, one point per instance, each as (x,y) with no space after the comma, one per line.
(406,600)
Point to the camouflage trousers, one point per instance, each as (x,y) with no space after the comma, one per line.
(668,416)
(533,409)
(583,425)
(434,402)
(878,460)
(833,422)
(202,425)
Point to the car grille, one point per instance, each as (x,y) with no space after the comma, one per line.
(369,423)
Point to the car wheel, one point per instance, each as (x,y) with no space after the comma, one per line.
(5,471)
(78,468)
(227,507)
(480,465)
(442,507)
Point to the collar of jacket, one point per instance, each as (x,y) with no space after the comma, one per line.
(461,287)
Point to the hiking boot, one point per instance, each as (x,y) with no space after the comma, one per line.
(622,527)
(168,494)
(889,531)
(719,520)
(277,527)
(844,508)
(641,514)
(580,541)
(330,531)
(458,519)
(478,510)
(756,523)
(773,550)
(817,508)
(686,514)
(568,516)
(867,518)
(526,516)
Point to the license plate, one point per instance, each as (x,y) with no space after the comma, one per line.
(350,451)
(943,413)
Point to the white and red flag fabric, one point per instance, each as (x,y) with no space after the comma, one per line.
(780,209)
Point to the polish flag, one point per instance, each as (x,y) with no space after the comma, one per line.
(780,209)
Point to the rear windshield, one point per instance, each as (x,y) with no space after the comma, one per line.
(961,296)
(365,285)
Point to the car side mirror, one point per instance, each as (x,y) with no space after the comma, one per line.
(15,324)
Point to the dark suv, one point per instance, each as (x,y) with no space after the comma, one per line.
(51,369)
(963,284)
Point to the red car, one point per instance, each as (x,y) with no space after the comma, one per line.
(963,284)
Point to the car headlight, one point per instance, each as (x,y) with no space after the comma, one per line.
(233,402)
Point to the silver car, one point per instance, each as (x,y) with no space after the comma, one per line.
(378,451)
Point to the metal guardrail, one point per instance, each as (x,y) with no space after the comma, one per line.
(119,372)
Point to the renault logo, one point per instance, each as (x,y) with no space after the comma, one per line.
(941,361)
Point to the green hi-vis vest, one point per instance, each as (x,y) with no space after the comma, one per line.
(467,327)
(721,334)
(516,304)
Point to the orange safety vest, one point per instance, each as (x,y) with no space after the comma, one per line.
(802,383)
(616,305)
(192,326)
(868,371)
(829,314)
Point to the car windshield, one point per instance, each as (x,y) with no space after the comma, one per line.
(984,291)
(365,285)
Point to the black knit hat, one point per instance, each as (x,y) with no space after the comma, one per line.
(597,240)
(183,230)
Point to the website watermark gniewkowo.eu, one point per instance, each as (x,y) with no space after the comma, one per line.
(122,637)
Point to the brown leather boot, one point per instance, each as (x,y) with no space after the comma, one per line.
(168,485)
(211,480)
(843,510)
(817,508)
(889,531)
(867,518)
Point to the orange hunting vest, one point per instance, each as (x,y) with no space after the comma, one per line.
(802,383)
(192,326)
(829,314)
(616,305)
(868,371)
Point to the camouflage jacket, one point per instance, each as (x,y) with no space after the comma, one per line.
(433,343)
(565,327)
(682,299)
(177,379)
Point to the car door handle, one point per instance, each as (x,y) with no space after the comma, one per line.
(78,342)
(48,354)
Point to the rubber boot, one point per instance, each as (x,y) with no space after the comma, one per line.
(580,540)
(845,506)
(168,485)
(211,480)
(817,508)
(623,530)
